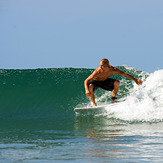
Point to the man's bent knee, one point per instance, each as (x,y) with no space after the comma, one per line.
(117,83)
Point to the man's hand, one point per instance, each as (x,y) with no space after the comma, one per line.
(139,82)
(88,94)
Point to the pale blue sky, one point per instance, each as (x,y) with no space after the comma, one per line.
(79,33)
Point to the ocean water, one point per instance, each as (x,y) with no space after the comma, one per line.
(38,122)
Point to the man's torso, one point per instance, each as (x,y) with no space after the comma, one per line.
(103,75)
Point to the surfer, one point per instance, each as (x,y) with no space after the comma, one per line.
(100,78)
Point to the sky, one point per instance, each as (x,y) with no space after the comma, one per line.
(79,33)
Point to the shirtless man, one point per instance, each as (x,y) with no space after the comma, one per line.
(100,78)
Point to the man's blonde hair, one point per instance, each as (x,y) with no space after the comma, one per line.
(105,61)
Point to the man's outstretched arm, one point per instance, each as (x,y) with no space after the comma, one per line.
(137,81)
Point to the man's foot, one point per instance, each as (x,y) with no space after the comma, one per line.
(113,99)
(94,105)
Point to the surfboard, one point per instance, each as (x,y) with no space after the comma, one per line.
(95,109)
(90,110)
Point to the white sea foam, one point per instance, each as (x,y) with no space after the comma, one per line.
(145,103)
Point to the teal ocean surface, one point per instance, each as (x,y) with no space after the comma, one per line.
(38,122)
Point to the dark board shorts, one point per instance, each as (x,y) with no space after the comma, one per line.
(107,84)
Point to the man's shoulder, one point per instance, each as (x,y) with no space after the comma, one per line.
(113,68)
(97,70)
